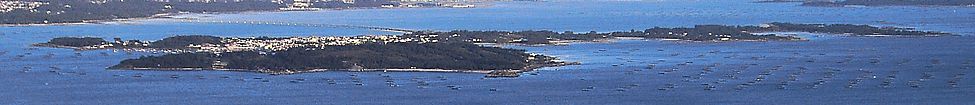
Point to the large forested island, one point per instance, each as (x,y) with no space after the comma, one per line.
(455,51)
(308,54)
(451,57)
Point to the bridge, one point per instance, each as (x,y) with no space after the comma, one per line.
(398,30)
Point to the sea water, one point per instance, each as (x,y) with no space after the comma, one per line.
(920,69)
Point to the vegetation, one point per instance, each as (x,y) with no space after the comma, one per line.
(454,50)
(548,37)
(453,56)
(843,29)
(527,37)
(185,60)
(697,33)
(178,42)
(75,41)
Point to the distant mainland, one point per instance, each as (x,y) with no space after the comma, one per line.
(24,12)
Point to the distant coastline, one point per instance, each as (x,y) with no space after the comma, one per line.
(82,22)
(69,12)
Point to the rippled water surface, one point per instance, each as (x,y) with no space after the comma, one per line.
(824,70)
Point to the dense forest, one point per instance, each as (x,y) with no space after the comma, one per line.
(700,33)
(175,42)
(455,56)
(843,29)
(184,60)
(73,11)
(527,37)
(74,42)
(179,42)
(696,33)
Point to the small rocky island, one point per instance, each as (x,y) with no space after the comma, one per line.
(452,51)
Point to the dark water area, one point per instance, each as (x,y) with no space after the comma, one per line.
(825,70)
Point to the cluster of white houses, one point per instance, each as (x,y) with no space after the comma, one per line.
(278,44)
(7,6)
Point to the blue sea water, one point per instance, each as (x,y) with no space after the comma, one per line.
(611,73)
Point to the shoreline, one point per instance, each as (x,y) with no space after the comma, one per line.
(289,72)
(96,21)
(308,71)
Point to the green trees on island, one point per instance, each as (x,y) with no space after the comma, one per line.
(453,49)
(696,33)
(455,56)
(177,42)
(76,41)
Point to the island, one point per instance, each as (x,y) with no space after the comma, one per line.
(714,33)
(434,57)
(290,55)
(450,51)
(20,12)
